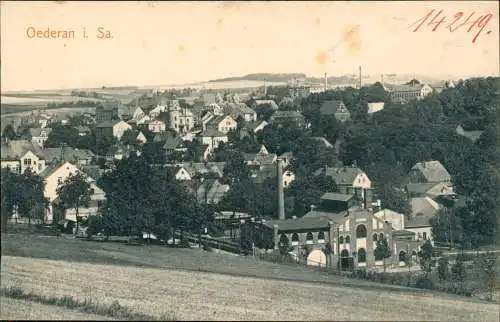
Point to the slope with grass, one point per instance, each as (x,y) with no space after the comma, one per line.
(159,281)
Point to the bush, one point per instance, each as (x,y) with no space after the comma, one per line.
(424,283)
(206,247)
(184,242)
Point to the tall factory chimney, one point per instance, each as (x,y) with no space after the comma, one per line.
(360,78)
(326,82)
(281,197)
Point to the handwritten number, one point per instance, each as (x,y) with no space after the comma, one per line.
(422,21)
(481,24)
(457,16)
(437,23)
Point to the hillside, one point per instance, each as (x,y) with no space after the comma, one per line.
(269,77)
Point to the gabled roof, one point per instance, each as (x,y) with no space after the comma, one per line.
(313,220)
(333,196)
(211,190)
(271,103)
(15,149)
(404,88)
(253,125)
(342,175)
(69,154)
(324,141)
(108,123)
(433,171)
(423,210)
(211,132)
(172,142)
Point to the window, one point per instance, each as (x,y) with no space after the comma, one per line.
(348,239)
(295,237)
(375,237)
(321,235)
(381,236)
(402,256)
(341,239)
(424,234)
(59,180)
(92,191)
(309,236)
(361,255)
(361,231)
(39,167)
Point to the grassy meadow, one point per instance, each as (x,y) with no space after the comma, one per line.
(188,284)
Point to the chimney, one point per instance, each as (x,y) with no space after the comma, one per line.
(360,78)
(281,198)
(326,82)
(368,194)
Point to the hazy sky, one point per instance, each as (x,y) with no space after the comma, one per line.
(173,43)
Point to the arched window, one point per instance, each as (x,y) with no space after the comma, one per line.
(375,237)
(381,236)
(402,256)
(348,239)
(361,255)
(321,235)
(295,237)
(341,239)
(283,239)
(309,236)
(344,253)
(361,231)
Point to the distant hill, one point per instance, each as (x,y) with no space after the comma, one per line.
(261,77)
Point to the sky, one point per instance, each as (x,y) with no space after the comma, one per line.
(160,43)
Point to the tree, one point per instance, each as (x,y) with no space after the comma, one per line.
(9,133)
(458,273)
(382,250)
(31,195)
(284,246)
(75,193)
(488,262)
(442,269)
(425,254)
(10,194)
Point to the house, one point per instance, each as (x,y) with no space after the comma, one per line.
(93,171)
(262,157)
(335,108)
(179,119)
(396,219)
(143,120)
(119,152)
(39,135)
(472,133)
(299,90)
(336,202)
(109,129)
(423,209)
(252,128)
(208,191)
(141,137)
(237,110)
(212,137)
(223,124)
(19,155)
(138,114)
(174,144)
(159,109)
(350,235)
(68,154)
(284,118)
(190,171)
(428,172)
(108,111)
(406,93)
(156,126)
(55,175)
(431,189)
(375,107)
(265,103)
(349,180)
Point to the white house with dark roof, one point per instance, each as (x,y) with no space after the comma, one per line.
(375,107)
(212,138)
(54,176)
(19,155)
(347,179)
(39,135)
(223,123)
(419,222)
(111,129)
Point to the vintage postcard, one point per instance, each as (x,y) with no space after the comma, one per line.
(259,160)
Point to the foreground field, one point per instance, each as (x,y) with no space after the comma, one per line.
(24,310)
(157,281)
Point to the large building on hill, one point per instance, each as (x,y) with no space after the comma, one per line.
(406,93)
